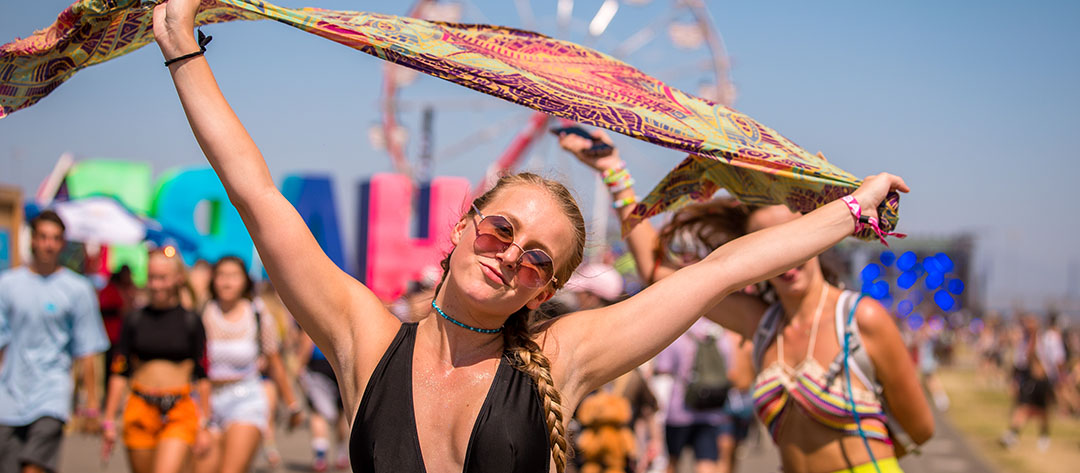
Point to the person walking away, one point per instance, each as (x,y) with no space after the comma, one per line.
(685,425)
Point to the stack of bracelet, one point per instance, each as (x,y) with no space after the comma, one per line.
(617,180)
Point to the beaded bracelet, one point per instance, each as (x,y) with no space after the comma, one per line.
(618,204)
(616,177)
(621,165)
(624,185)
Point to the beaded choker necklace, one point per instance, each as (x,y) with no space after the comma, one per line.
(459,324)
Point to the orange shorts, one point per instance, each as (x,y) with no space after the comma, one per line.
(144,426)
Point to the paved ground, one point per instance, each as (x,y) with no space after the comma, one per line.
(81,455)
(946,453)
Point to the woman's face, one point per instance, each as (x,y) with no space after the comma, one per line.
(229,281)
(796,280)
(539,223)
(162,280)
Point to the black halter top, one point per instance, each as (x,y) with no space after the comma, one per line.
(509,435)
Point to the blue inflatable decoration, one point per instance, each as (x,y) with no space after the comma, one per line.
(887,258)
(944,300)
(956,286)
(944,261)
(904,308)
(935,268)
(906,280)
(871,272)
(878,290)
(907,261)
(934,280)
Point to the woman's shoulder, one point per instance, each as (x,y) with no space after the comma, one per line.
(873,319)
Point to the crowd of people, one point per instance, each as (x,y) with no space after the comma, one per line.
(202,362)
(1038,362)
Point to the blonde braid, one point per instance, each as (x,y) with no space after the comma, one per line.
(527,357)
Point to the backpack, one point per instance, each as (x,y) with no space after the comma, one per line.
(709,383)
(859,362)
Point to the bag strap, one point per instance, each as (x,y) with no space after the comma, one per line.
(861,364)
(765,333)
(258,329)
(863,367)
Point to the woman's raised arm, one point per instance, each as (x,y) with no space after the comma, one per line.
(738,312)
(328,303)
(636,329)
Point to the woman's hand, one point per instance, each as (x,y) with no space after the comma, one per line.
(874,189)
(108,440)
(202,442)
(576,145)
(174,27)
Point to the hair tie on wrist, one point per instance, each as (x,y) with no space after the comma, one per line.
(203,41)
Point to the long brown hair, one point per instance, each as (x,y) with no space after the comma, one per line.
(525,354)
(703,227)
(249,285)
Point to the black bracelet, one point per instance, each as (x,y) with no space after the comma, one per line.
(203,41)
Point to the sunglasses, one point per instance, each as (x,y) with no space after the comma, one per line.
(494,234)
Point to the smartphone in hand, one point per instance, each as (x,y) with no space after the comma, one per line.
(599,149)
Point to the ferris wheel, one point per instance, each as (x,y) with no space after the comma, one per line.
(614,27)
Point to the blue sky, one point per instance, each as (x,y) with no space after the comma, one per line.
(974,103)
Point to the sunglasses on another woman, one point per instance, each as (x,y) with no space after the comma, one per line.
(494,234)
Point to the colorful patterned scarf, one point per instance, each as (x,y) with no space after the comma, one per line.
(727,149)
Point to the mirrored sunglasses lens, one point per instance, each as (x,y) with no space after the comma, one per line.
(487,243)
(528,277)
(536,268)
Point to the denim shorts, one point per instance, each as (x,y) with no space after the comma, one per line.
(702,437)
(241,402)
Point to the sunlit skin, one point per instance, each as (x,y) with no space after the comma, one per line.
(794,283)
(46,243)
(164,279)
(806,446)
(233,450)
(478,297)
(453,367)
